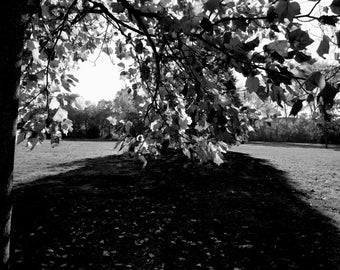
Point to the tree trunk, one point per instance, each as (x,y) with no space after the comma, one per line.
(12,34)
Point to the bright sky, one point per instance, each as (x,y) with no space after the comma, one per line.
(98,79)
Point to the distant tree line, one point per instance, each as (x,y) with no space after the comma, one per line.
(298,130)
(91,122)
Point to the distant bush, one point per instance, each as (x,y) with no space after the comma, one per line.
(300,130)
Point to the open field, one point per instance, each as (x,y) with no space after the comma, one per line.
(268,207)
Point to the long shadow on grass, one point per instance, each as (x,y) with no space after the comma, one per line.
(173,215)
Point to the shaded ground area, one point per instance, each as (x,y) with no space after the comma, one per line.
(108,214)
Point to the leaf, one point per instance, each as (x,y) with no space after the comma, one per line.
(128,126)
(60,115)
(316,79)
(20,136)
(184,120)
(79,103)
(300,57)
(276,56)
(139,47)
(67,126)
(32,142)
(277,94)
(72,77)
(121,64)
(188,26)
(337,34)
(165,2)
(327,95)
(227,37)
(212,5)
(54,104)
(286,9)
(45,11)
(261,93)
(280,46)
(324,46)
(271,14)
(297,106)
(207,25)
(241,23)
(335,6)
(33,46)
(330,20)
(251,45)
(63,35)
(299,39)
(186,152)
(124,75)
(145,72)
(112,120)
(108,50)
(217,159)
(252,83)
(155,125)
(310,98)
(117,7)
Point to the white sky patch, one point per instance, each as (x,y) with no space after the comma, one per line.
(98,80)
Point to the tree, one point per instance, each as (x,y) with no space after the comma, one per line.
(184,55)
(10,55)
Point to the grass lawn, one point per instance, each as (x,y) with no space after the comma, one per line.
(310,168)
(268,207)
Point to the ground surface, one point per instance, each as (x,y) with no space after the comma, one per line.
(88,210)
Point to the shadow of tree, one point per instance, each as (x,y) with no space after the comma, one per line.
(174,215)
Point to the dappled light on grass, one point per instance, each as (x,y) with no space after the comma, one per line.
(172,215)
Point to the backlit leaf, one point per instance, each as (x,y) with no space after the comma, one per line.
(324,46)
(79,103)
(60,115)
(54,104)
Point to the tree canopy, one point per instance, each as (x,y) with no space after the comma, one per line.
(178,59)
